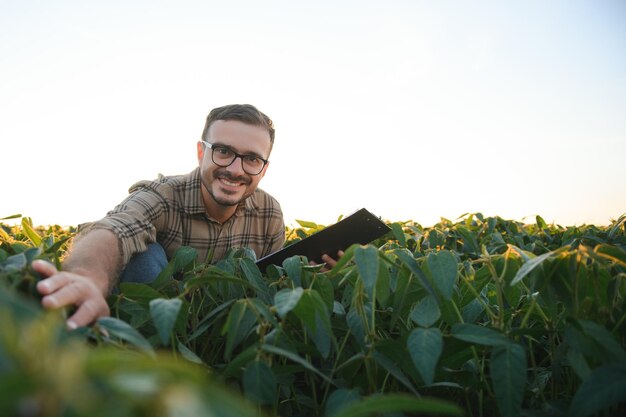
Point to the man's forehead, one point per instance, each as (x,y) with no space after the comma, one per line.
(241,136)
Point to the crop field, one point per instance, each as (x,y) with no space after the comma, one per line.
(475,317)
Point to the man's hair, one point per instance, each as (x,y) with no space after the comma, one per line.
(245,113)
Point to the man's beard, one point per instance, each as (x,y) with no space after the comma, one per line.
(227,176)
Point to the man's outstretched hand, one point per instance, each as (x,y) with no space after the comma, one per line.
(61,289)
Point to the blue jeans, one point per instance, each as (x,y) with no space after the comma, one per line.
(145,267)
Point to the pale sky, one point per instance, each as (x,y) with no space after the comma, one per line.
(415,110)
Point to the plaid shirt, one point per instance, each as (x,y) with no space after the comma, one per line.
(170,211)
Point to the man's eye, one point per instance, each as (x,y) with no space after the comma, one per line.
(223,151)
(251,159)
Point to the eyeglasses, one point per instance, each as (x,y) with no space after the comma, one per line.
(223,156)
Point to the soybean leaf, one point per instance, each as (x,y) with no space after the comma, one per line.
(295,358)
(340,399)
(182,257)
(443,268)
(124,331)
(28,230)
(366,259)
(398,233)
(293,268)
(307,224)
(14,263)
(425,347)
(409,261)
(238,326)
(612,253)
(313,312)
(286,300)
(603,388)
(610,347)
(253,275)
(426,311)
(358,323)
(481,335)
(394,370)
(189,354)
(164,313)
(508,374)
(390,403)
(530,265)
(140,293)
(324,286)
(259,383)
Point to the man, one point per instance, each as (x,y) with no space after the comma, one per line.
(214,208)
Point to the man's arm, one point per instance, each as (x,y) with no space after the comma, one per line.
(88,275)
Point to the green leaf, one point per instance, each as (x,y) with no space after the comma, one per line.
(141,293)
(253,275)
(124,331)
(481,335)
(189,354)
(358,322)
(603,388)
(366,259)
(425,347)
(541,223)
(470,244)
(164,313)
(307,224)
(530,265)
(313,312)
(426,311)
(293,268)
(443,268)
(398,233)
(259,383)
(286,300)
(508,375)
(238,326)
(183,256)
(390,403)
(612,253)
(340,399)
(14,263)
(295,358)
(394,370)
(611,348)
(28,230)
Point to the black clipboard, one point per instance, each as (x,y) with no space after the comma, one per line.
(360,227)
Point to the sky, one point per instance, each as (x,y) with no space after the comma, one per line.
(415,110)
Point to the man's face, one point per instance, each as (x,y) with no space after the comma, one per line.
(228,186)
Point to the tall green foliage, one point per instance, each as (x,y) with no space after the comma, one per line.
(481,317)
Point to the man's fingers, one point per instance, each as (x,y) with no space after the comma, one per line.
(44,268)
(87,313)
(52,283)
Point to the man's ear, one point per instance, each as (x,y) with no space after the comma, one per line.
(200,151)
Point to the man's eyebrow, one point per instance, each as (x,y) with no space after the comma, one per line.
(217,143)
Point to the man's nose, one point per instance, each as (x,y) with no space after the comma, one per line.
(236,166)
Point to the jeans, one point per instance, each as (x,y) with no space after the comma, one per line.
(145,267)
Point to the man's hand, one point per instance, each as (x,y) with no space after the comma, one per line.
(60,289)
(329,261)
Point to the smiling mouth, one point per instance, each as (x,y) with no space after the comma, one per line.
(230,183)
(228,180)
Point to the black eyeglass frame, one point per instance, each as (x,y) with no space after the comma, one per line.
(237,155)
